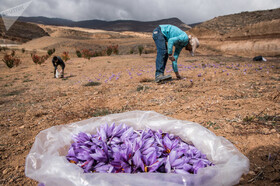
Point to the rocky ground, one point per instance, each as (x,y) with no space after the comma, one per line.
(233,97)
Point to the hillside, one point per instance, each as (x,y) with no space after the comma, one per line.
(118,25)
(21,32)
(245,34)
(72,38)
(228,23)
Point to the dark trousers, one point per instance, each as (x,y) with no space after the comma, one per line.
(162,54)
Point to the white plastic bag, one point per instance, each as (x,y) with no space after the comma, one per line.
(47,161)
(57,74)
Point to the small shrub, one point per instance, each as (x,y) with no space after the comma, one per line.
(78,53)
(11,60)
(87,54)
(39,59)
(98,53)
(51,51)
(65,56)
(131,51)
(115,49)
(23,50)
(3,48)
(103,52)
(140,49)
(109,50)
(13,53)
(112,49)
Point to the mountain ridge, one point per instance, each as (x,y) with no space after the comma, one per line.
(117,25)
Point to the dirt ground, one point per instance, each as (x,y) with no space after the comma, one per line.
(233,97)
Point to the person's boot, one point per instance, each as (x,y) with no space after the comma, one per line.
(161,78)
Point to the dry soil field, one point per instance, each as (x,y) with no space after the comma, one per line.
(232,96)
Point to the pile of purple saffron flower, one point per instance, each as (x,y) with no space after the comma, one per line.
(121,149)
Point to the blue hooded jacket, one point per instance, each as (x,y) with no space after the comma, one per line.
(177,38)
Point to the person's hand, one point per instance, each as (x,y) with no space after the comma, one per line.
(171,58)
(178,75)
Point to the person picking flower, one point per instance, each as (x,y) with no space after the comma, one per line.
(173,36)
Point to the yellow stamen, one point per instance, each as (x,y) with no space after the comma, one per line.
(72,161)
(168,151)
(146,169)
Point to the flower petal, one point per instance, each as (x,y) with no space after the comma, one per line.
(178,163)
(137,160)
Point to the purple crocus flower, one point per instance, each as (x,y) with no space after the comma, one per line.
(99,155)
(172,161)
(154,165)
(169,144)
(120,148)
(137,159)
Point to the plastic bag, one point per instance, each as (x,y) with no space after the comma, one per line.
(57,74)
(47,163)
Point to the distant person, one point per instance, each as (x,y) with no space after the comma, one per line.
(58,61)
(173,36)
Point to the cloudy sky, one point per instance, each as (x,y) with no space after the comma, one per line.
(189,11)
